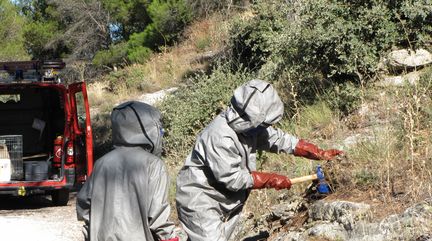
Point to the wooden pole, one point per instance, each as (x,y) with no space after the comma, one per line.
(304,179)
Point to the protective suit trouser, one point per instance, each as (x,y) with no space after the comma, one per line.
(206,213)
(206,226)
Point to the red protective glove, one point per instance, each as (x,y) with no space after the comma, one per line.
(172,239)
(270,180)
(311,151)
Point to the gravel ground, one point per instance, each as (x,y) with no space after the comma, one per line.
(36,219)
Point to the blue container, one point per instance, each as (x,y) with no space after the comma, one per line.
(35,170)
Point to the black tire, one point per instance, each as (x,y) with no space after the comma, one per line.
(60,197)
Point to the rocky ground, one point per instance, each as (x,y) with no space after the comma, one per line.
(299,219)
(36,219)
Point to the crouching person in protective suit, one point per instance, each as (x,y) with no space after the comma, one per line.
(219,173)
(126,196)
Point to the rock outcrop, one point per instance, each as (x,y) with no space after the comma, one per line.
(153,98)
(340,220)
(403,66)
(406,59)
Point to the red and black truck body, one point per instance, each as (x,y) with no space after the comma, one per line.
(45,130)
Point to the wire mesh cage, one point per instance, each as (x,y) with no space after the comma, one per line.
(14,147)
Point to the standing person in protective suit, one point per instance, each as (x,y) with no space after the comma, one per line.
(126,196)
(219,173)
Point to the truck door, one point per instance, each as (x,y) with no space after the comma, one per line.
(82,131)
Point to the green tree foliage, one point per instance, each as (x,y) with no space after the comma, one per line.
(44,29)
(115,55)
(39,10)
(86,27)
(11,33)
(111,32)
(169,18)
(415,19)
(40,40)
(145,25)
(129,16)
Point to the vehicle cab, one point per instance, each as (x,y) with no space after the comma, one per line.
(46,144)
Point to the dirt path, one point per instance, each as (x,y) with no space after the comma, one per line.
(34,218)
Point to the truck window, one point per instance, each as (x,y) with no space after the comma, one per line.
(81,114)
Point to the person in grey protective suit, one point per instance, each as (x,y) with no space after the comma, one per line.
(126,196)
(218,174)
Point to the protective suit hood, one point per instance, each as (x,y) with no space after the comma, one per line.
(137,124)
(254,103)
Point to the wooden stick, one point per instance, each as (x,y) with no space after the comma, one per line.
(304,179)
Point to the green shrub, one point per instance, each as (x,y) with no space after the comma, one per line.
(139,54)
(317,41)
(192,107)
(415,21)
(203,43)
(101,124)
(344,97)
(115,55)
(149,38)
(130,79)
(365,178)
(169,17)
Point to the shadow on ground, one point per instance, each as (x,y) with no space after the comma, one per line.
(28,202)
(261,236)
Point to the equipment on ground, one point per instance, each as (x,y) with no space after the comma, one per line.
(322,186)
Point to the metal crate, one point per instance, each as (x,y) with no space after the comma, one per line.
(14,146)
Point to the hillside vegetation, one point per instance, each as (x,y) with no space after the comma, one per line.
(326,59)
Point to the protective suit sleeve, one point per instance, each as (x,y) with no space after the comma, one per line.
(276,141)
(159,208)
(83,204)
(225,162)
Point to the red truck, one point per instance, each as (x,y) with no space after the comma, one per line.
(45,132)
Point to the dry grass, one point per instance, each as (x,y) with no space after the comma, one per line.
(102,99)
(202,40)
(96,93)
(389,167)
(173,64)
(392,168)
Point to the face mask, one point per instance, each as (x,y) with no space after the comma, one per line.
(255,131)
